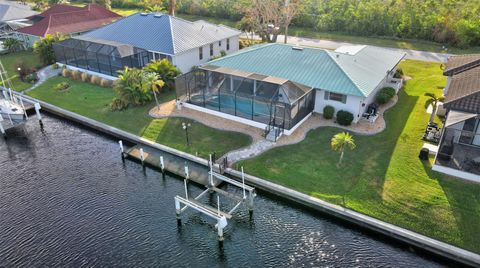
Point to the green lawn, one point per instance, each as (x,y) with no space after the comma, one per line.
(383,176)
(93,102)
(335,36)
(9,61)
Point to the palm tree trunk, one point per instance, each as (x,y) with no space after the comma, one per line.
(341,158)
(156,99)
(434,112)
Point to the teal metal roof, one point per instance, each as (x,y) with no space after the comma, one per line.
(356,75)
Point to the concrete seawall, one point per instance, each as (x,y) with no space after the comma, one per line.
(390,230)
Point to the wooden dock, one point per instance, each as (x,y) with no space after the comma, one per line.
(172,164)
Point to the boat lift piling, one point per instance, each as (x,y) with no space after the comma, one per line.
(217,214)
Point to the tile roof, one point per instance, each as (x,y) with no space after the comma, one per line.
(67,19)
(163,33)
(356,75)
(13,11)
(458,64)
(463,92)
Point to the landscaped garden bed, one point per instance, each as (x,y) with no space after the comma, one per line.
(12,61)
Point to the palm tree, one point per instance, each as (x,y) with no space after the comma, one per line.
(156,84)
(433,100)
(133,87)
(165,70)
(11,44)
(340,141)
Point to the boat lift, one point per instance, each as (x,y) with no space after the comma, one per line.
(219,216)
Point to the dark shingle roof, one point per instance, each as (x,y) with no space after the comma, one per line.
(461,63)
(464,91)
(163,33)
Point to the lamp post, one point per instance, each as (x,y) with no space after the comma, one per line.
(186,126)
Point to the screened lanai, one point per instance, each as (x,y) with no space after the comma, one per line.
(269,100)
(98,55)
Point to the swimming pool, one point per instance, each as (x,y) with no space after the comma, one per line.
(226,103)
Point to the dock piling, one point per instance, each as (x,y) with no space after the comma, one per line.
(178,211)
(187,176)
(142,156)
(37,107)
(122,150)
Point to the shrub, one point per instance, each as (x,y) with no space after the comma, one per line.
(66,73)
(23,69)
(344,118)
(165,70)
(77,75)
(55,66)
(118,105)
(385,94)
(398,73)
(85,77)
(105,83)
(31,78)
(328,112)
(61,86)
(95,80)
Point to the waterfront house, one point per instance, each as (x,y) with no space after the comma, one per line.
(135,40)
(459,149)
(67,20)
(276,86)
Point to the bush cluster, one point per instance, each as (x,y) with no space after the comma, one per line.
(385,94)
(61,86)
(87,78)
(398,73)
(23,69)
(328,112)
(118,105)
(344,118)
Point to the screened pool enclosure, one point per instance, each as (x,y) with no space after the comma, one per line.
(275,102)
(100,56)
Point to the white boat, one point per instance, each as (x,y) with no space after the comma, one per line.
(11,110)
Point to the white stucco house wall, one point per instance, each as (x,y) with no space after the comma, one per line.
(184,43)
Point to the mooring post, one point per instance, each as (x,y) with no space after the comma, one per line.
(37,111)
(243,184)
(178,211)
(211,171)
(222,223)
(122,151)
(186,189)
(2,130)
(187,176)
(142,156)
(162,166)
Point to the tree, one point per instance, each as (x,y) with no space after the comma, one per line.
(133,86)
(44,48)
(433,100)
(152,6)
(340,141)
(105,3)
(268,17)
(11,44)
(172,7)
(165,70)
(156,84)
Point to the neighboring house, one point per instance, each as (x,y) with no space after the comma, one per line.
(459,149)
(137,39)
(13,16)
(67,20)
(278,86)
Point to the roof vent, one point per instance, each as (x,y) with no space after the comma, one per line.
(338,56)
(144,14)
(298,48)
(158,15)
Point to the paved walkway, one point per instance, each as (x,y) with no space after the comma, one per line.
(43,74)
(329,44)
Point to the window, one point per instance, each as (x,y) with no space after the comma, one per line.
(211,49)
(220,43)
(335,97)
(200,53)
(228,43)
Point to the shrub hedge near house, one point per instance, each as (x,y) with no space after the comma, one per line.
(344,118)
(66,73)
(385,94)
(105,83)
(77,75)
(85,77)
(328,112)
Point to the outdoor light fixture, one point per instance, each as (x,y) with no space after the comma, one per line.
(186,126)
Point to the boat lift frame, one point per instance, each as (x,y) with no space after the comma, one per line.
(218,215)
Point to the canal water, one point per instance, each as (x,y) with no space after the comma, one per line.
(68,200)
